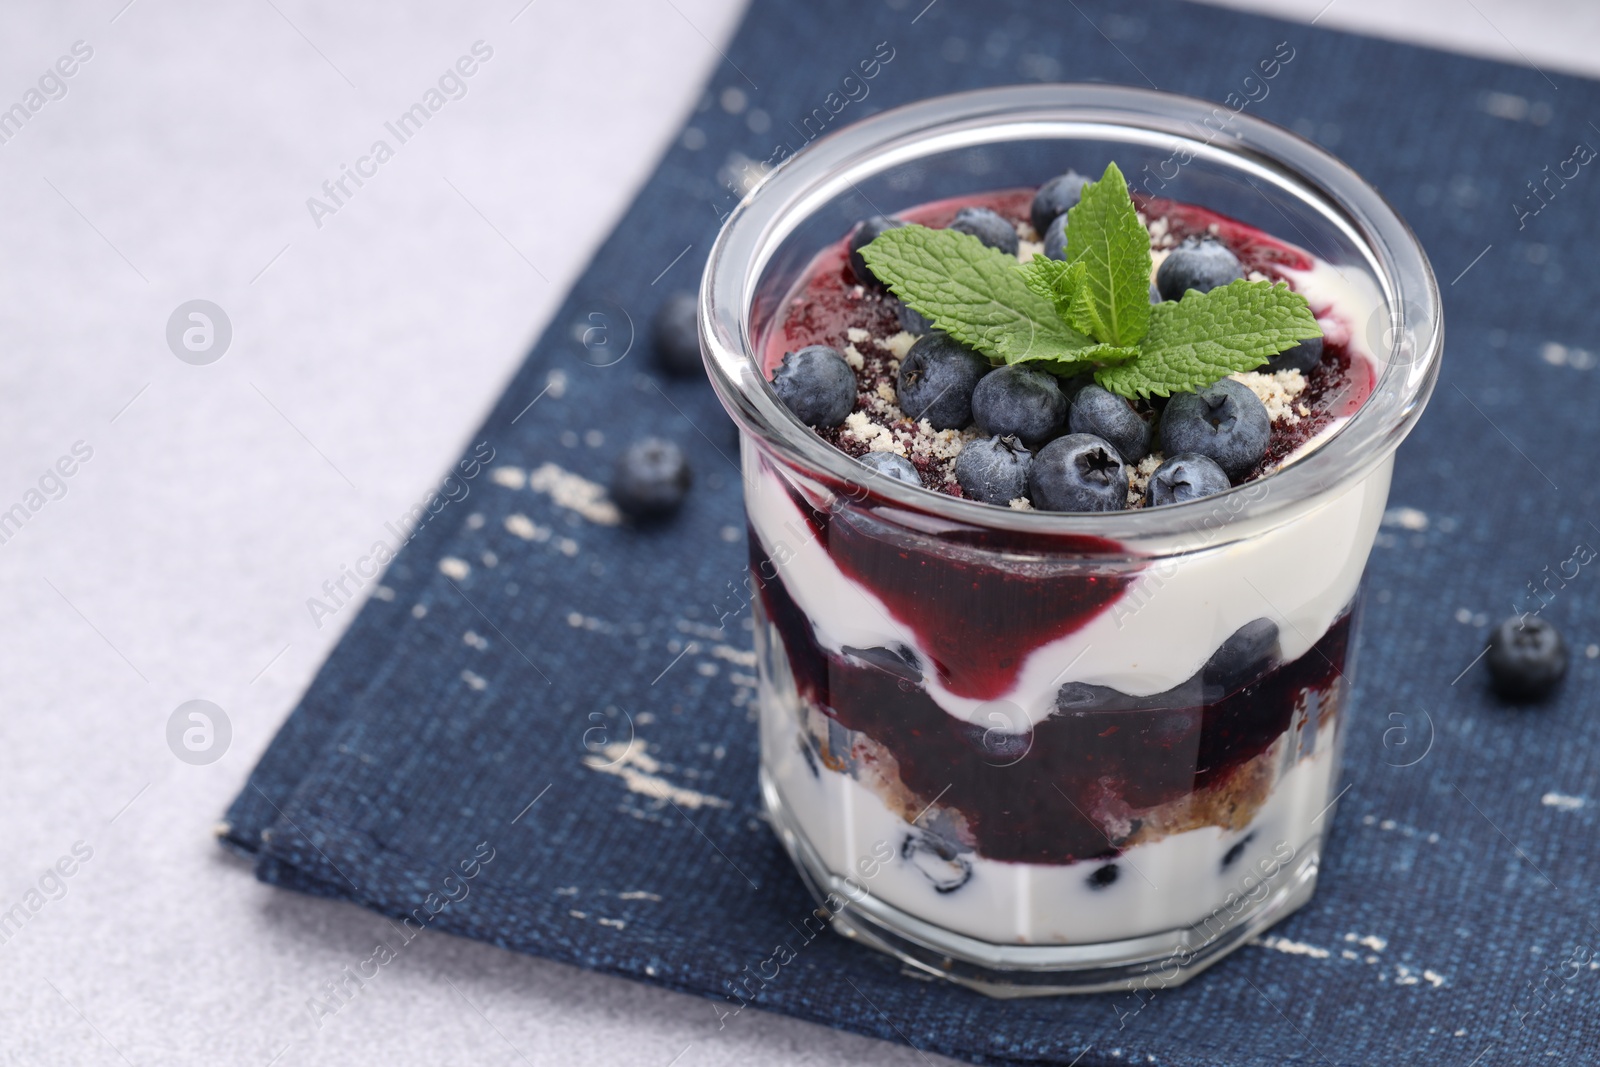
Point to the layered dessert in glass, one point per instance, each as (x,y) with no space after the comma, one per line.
(1086,736)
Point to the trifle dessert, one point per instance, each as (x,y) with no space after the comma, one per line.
(1054,630)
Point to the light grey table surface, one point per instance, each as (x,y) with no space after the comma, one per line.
(218,498)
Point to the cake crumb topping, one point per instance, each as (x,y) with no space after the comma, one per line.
(857,334)
(1139,478)
(1021,503)
(1278,392)
(853,356)
(898,345)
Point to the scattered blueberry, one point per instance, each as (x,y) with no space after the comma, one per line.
(993,470)
(1201,263)
(1183,477)
(894,466)
(937,379)
(675,335)
(816,384)
(913,321)
(651,478)
(1244,656)
(987,226)
(1526,658)
(940,862)
(1055,197)
(1019,400)
(1103,876)
(1078,472)
(1105,414)
(1055,239)
(1225,422)
(1302,357)
(865,233)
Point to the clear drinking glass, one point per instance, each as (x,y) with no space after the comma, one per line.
(1042,752)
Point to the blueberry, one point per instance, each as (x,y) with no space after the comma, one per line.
(936,381)
(1078,472)
(1021,401)
(1201,263)
(817,385)
(1105,414)
(1302,357)
(1526,658)
(1183,477)
(900,662)
(1055,239)
(1243,657)
(651,478)
(1225,422)
(1230,857)
(994,470)
(1055,197)
(894,466)
(939,861)
(1081,697)
(988,227)
(865,232)
(675,335)
(912,320)
(1103,876)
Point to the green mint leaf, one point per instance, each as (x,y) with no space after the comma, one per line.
(1083,360)
(972,292)
(1205,337)
(1058,282)
(1105,235)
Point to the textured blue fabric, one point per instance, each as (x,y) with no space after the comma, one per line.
(1456,912)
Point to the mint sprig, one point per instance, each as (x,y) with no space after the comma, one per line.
(1091,312)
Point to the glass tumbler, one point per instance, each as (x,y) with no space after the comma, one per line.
(1039,752)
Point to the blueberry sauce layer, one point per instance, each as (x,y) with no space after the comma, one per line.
(980,603)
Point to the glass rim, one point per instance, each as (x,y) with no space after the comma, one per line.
(834,164)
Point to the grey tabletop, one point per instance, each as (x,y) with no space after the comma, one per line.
(223,468)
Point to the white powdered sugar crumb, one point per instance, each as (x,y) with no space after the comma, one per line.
(1277,391)
(1139,478)
(1027,249)
(1021,503)
(876,438)
(1303,410)
(941,444)
(1026,232)
(857,334)
(1159,235)
(899,344)
(886,393)
(853,356)
(1257,276)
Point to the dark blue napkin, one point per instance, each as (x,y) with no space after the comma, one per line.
(482,753)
